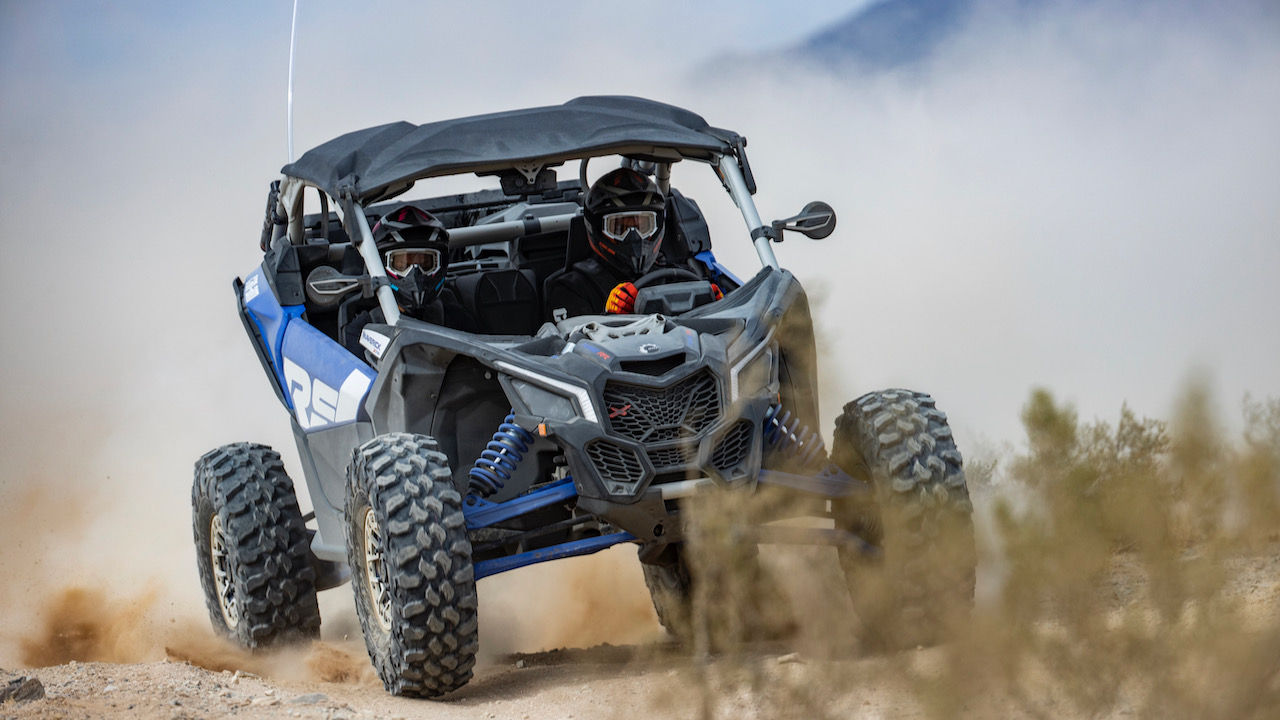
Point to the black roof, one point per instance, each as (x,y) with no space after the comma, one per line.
(381,161)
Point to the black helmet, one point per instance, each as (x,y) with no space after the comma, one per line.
(414,247)
(625,218)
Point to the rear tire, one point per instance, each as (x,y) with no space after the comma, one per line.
(411,567)
(252,549)
(921,519)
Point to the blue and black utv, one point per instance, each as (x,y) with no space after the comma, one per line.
(436,456)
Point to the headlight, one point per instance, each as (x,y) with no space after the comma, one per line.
(755,371)
(556,397)
(544,403)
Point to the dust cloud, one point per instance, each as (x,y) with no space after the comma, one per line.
(82,624)
(86,624)
(579,602)
(1079,195)
(1136,572)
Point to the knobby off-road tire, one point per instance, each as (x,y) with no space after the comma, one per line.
(672,593)
(410,559)
(762,611)
(252,548)
(921,519)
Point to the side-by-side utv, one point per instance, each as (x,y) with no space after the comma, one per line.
(435,457)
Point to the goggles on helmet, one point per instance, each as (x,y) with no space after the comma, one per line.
(617,225)
(401,260)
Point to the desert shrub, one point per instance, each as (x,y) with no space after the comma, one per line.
(1131,568)
(1125,581)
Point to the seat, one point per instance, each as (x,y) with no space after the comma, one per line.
(545,253)
(686,229)
(504,302)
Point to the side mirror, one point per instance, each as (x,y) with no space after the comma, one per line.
(817,220)
(327,287)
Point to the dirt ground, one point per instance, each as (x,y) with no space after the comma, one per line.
(627,666)
(601,682)
(201,678)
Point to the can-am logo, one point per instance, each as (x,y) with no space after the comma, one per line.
(316,404)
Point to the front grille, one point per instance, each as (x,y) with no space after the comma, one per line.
(614,463)
(733,448)
(672,457)
(656,415)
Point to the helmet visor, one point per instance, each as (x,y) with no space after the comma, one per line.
(401,260)
(616,225)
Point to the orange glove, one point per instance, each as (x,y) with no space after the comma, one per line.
(622,300)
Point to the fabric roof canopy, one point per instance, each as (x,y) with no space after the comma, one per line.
(381,161)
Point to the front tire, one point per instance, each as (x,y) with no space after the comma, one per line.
(251,548)
(921,519)
(671,590)
(411,567)
(761,610)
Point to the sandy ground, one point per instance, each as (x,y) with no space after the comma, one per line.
(332,679)
(625,665)
(601,682)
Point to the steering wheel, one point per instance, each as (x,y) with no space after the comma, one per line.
(662,275)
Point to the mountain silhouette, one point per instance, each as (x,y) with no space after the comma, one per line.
(887,34)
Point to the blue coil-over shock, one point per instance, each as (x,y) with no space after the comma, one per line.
(784,434)
(500,458)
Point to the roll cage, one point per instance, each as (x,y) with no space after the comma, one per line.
(355,222)
(638,130)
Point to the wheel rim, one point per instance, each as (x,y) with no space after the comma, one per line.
(223,585)
(375,571)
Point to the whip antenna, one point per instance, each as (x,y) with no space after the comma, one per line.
(293,37)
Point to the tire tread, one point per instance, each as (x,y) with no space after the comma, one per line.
(434,635)
(268,540)
(929,558)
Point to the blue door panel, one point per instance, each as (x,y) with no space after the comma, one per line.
(270,318)
(326,385)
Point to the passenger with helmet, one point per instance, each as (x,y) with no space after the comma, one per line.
(414,248)
(625,214)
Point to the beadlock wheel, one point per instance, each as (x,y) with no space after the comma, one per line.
(375,568)
(407,546)
(252,548)
(224,588)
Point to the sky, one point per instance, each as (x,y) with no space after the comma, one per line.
(1085,200)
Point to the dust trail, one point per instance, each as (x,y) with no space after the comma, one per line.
(578,602)
(1136,573)
(1141,577)
(328,662)
(82,624)
(85,624)
(211,653)
(42,527)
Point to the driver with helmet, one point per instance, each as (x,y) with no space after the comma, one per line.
(625,220)
(414,247)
